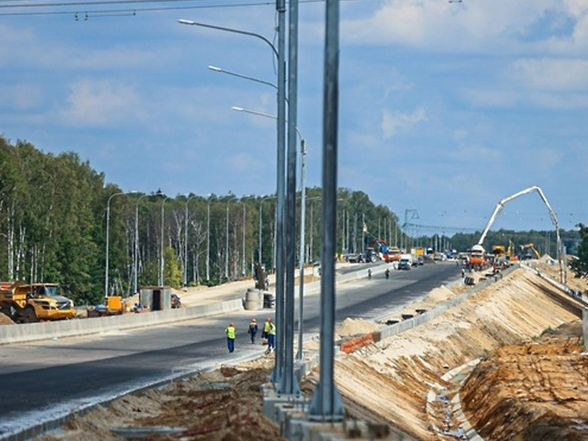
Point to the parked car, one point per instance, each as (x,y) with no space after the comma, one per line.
(420,260)
(354,258)
(404,264)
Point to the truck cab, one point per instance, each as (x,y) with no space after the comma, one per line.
(27,303)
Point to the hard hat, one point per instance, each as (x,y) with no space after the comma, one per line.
(253,320)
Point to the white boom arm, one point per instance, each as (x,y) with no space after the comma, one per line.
(499,208)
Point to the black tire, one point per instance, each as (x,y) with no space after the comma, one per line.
(29,315)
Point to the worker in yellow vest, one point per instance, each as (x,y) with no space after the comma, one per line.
(231,334)
(270,331)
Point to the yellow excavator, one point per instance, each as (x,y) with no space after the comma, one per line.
(526,256)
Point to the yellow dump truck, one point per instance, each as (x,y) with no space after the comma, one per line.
(28,303)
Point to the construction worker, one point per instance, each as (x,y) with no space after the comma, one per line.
(270,332)
(231,334)
(252,330)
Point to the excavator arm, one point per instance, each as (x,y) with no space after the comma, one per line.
(531,247)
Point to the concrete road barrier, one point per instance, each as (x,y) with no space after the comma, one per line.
(70,328)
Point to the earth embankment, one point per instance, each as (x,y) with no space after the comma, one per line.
(393,381)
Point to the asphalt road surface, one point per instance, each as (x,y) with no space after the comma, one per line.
(45,380)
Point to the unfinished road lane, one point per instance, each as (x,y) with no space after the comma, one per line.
(50,378)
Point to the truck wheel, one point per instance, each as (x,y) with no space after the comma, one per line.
(29,316)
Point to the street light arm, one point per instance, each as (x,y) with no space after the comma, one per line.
(245,77)
(267,115)
(236,31)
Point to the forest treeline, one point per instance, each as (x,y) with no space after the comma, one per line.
(56,213)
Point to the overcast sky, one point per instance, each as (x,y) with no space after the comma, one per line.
(446,107)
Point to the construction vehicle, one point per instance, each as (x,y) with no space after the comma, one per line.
(498,251)
(477,258)
(28,303)
(526,256)
(500,206)
(510,252)
(392,254)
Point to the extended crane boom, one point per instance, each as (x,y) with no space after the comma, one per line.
(500,206)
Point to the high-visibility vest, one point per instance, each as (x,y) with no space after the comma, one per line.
(267,326)
(230,331)
(272,330)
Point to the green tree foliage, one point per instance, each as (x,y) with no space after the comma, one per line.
(48,216)
(580,265)
(53,217)
(172,269)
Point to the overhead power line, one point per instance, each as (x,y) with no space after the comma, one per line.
(66,8)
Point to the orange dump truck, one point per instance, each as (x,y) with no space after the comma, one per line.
(477,257)
(28,303)
(392,254)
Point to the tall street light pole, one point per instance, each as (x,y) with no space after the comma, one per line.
(243,269)
(291,222)
(288,384)
(208,239)
(260,239)
(185,281)
(326,402)
(227,243)
(281,172)
(302,245)
(107,241)
(162,250)
(136,251)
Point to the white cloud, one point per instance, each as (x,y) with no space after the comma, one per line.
(500,26)
(551,73)
(100,103)
(392,123)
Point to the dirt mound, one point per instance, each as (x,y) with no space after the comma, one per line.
(532,390)
(355,327)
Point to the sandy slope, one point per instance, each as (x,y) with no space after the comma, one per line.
(390,381)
